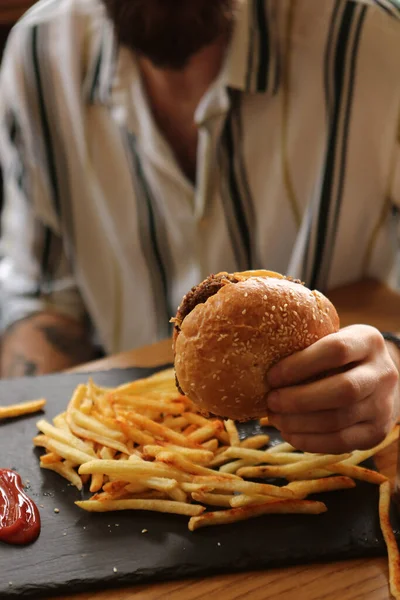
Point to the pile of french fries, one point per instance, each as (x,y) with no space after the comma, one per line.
(142,446)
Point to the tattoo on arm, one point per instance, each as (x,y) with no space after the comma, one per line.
(20,366)
(72,345)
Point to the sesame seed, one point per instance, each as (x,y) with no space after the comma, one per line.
(244,312)
(56,510)
(115,570)
(144,530)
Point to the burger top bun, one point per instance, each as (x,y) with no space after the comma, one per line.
(232,328)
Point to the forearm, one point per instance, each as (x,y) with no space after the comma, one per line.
(44,343)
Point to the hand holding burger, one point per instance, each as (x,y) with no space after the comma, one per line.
(251,344)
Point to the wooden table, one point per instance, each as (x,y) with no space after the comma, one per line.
(366,302)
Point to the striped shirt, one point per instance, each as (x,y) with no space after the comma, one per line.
(298,163)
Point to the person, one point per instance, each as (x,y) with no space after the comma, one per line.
(148,143)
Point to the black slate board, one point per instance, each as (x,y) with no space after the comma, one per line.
(77,552)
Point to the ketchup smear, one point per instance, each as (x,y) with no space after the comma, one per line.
(19,515)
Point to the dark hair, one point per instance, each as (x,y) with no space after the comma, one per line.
(169,32)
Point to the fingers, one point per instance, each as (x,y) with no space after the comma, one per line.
(361,436)
(325,421)
(350,345)
(336,391)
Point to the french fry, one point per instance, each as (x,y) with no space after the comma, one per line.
(245,500)
(189,429)
(225,517)
(302,489)
(283,447)
(220,458)
(171,408)
(92,424)
(259,456)
(115,486)
(291,469)
(163,506)
(77,430)
(256,442)
(178,495)
(211,445)
(20,410)
(60,422)
(176,423)
(195,419)
(311,474)
(360,456)
(185,465)
(50,458)
(205,426)
(189,488)
(65,470)
(212,499)
(358,473)
(42,441)
(204,433)
(107,453)
(390,540)
(232,432)
(132,471)
(134,433)
(64,437)
(161,484)
(233,467)
(161,431)
(96,483)
(74,455)
(86,406)
(245,487)
(198,456)
(104,404)
(77,397)
(264,421)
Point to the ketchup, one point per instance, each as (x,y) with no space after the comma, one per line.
(19,515)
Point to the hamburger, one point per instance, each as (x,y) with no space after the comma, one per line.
(232,328)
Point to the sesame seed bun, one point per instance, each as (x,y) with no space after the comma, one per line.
(226,344)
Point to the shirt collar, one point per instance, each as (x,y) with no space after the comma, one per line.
(253,60)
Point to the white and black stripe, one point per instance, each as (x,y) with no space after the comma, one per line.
(340,66)
(235,193)
(100,76)
(153,241)
(263,72)
(56,153)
